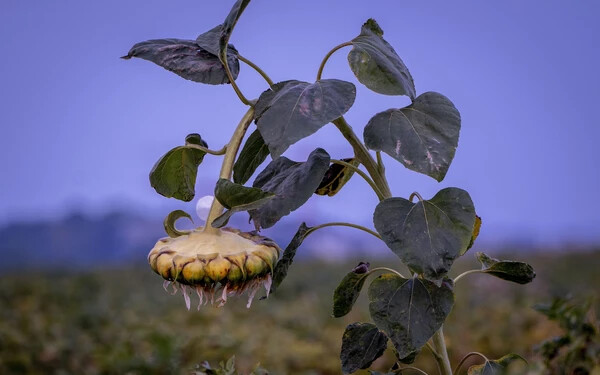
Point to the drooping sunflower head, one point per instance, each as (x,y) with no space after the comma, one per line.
(227,262)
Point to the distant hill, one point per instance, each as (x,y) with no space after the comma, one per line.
(81,240)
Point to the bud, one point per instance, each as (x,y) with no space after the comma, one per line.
(224,263)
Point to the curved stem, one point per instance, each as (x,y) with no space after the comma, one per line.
(435,354)
(364,157)
(386,269)
(342,224)
(207,150)
(320,72)
(223,58)
(465,274)
(362,174)
(413,368)
(257,68)
(462,361)
(415,194)
(440,345)
(232,148)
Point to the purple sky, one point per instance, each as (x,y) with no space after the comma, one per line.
(80,127)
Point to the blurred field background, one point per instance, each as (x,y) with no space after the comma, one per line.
(121,321)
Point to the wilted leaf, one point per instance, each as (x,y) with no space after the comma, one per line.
(169,223)
(229,23)
(476,229)
(174,174)
(430,234)
(422,136)
(235,198)
(254,152)
(409,311)
(336,177)
(518,272)
(186,59)
(495,367)
(292,110)
(281,268)
(347,292)
(362,344)
(292,182)
(376,64)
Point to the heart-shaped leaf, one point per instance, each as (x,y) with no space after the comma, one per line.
(169,223)
(422,136)
(281,268)
(362,344)
(347,292)
(430,234)
(292,110)
(377,66)
(186,59)
(336,177)
(517,272)
(409,311)
(495,367)
(236,198)
(292,182)
(254,152)
(174,174)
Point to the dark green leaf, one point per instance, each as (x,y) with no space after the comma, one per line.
(422,136)
(235,198)
(409,311)
(170,220)
(255,151)
(174,174)
(518,272)
(210,40)
(336,177)
(376,64)
(430,234)
(292,182)
(186,59)
(347,291)
(229,23)
(476,229)
(495,367)
(362,344)
(292,110)
(281,268)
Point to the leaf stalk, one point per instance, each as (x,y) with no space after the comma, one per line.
(440,345)
(320,72)
(362,174)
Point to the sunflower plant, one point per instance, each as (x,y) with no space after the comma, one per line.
(427,235)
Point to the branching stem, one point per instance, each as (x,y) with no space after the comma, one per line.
(223,58)
(320,72)
(232,148)
(362,174)
(364,157)
(257,68)
(342,224)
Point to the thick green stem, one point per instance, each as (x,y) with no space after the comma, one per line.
(232,148)
(440,348)
(364,157)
